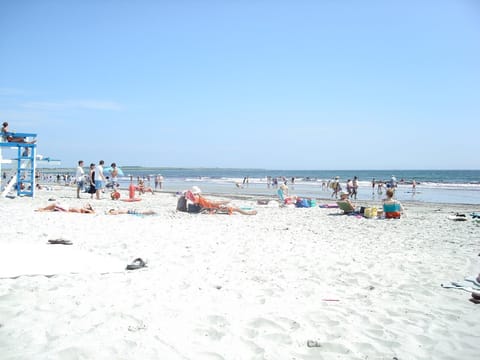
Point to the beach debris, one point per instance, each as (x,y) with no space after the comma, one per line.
(458,217)
(313,343)
(137,327)
(60,242)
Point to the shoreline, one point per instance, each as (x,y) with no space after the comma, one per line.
(257,196)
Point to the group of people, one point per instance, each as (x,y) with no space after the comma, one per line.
(351,186)
(96,180)
(392,208)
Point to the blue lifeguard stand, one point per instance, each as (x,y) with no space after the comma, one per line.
(24,179)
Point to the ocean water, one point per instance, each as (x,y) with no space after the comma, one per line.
(433,186)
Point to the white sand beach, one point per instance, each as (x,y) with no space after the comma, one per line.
(287,283)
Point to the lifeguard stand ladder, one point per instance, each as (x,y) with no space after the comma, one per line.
(24,178)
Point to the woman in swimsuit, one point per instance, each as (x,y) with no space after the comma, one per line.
(87,209)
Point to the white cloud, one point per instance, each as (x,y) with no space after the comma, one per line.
(74,104)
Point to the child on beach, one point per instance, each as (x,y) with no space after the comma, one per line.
(142,188)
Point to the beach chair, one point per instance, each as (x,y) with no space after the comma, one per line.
(346,207)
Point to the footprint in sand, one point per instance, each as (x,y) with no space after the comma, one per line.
(209,356)
(262,329)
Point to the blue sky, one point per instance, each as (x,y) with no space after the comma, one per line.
(256,84)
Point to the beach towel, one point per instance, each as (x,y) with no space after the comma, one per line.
(50,259)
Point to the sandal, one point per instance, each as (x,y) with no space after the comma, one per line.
(60,241)
(136,264)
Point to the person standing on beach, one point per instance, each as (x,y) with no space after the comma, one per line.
(91,176)
(80,178)
(414,186)
(114,175)
(160,181)
(336,187)
(99,179)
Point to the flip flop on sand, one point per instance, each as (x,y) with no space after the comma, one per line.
(136,264)
(473,280)
(475,301)
(457,217)
(60,242)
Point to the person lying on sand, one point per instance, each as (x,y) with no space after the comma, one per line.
(210,205)
(130,212)
(87,209)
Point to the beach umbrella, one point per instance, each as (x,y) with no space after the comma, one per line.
(109,170)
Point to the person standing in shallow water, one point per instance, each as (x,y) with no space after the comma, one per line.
(354,193)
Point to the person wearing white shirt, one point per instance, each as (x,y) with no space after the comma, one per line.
(100,179)
(80,178)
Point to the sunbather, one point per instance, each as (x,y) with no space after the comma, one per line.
(87,209)
(214,206)
(345,204)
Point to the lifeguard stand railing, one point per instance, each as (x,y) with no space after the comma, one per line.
(24,179)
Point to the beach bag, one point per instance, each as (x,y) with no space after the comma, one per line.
(194,208)
(182,203)
(370,212)
(91,189)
